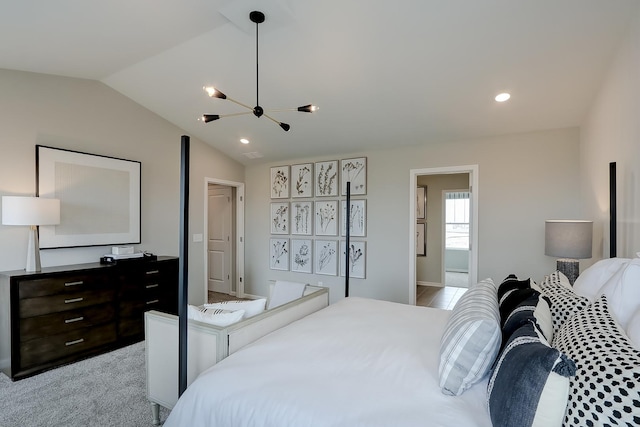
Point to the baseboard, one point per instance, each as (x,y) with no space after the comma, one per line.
(439,285)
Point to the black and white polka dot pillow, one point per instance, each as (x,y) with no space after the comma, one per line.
(605,390)
(564,302)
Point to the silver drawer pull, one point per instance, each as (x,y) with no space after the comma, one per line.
(75,319)
(152,272)
(155,285)
(69,301)
(153,301)
(74,342)
(79,282)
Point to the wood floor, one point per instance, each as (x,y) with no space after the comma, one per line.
(438,297)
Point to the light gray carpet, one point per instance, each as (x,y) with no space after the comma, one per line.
(106,390)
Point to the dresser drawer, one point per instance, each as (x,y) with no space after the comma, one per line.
(31,307)
(45,350)
(61,284)
(65,321)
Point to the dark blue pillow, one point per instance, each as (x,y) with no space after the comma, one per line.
(526,367)
(510,284)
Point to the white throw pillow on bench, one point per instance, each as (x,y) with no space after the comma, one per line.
(250,307)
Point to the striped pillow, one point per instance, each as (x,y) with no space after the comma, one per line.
(471,339)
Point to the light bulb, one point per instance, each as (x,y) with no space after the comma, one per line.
(501,97)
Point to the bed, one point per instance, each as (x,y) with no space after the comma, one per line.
(359,362)
(542,354)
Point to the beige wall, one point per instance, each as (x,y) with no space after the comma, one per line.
(88,116)
(429,268)
(523,180)
(611,133)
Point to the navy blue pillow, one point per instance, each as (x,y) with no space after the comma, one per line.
(525,366)
(523,312)
(511,283)
(513,299)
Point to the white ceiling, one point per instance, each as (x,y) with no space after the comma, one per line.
(385,73)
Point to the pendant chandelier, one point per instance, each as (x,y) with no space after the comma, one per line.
(258,111)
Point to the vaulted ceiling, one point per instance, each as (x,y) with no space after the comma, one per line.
(384,73)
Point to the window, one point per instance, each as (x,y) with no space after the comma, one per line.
(457,220)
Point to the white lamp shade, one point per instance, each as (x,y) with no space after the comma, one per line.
(568,238)
(18,210)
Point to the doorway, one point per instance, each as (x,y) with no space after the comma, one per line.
(224,238)
(434,226)
(455,242)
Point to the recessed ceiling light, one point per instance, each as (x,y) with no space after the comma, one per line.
(244,140)
(504,96)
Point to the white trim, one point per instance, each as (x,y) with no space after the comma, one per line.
(443,248)
(239,232)
(432,284)
(473,172)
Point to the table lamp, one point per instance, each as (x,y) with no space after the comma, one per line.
(31,211)
(570,240)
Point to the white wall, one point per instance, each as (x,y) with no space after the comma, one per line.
(88,116)
(523,180)
(611,133)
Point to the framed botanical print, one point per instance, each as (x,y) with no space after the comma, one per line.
(326,178)
(421,203)
(280,182)
(355,172)
(301,255)
(280,218)
(279,254)
(357,218)
(326,223)
(325,257)
(302,180)
(357,258)
(302,218)
(421,241)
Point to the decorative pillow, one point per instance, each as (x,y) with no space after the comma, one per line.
(606,387)
(511,284)
(535,308)
(529,385)
(564,302)
(593,278)
(471,339)
(633,329)
(513,299)
(214,316)
(623,292)
(250,307)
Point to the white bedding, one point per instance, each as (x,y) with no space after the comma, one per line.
(358,362)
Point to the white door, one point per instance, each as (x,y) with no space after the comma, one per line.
(219,241)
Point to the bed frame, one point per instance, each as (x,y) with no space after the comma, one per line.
(208,344)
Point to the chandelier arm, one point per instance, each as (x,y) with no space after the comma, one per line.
(284,126)
(239,103)
(235,114)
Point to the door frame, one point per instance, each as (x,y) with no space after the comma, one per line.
(443,249)
(473,172)
(238,233)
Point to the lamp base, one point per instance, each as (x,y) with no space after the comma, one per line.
(570,268)
(33,251)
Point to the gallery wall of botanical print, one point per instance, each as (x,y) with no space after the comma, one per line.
(308,217)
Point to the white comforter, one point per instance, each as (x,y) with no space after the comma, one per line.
(358,362)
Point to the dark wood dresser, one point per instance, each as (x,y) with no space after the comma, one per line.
(66,313)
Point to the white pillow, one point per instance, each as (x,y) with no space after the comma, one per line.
(214,316)
(250,307)
(591,280)
(623,292)
(633,329)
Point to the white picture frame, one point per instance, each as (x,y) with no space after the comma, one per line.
(301,255)
(279,182)
(326,178)
(354,171)
(280,218)
(100,198)
(302,180)
(325,257)
(279,254)
(358,220)
(357,258)
(326,217)
(302,218)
